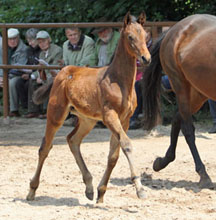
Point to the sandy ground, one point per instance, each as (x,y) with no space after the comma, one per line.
(170,194)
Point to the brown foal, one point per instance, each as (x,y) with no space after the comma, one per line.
(106,94)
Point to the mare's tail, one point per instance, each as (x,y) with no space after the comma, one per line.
(42,93)
(151,84)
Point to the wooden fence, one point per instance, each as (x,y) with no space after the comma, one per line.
(156,30)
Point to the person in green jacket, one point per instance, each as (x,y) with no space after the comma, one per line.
(78,49)
(105,45)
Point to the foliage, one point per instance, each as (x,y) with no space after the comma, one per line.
(55,11)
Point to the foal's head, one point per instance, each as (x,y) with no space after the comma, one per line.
(135,37)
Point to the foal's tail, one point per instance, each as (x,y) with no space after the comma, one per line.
(42,93)
(151,84)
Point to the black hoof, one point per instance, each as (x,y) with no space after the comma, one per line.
(206,184)
(157,165)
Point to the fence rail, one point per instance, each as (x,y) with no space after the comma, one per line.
(156,30)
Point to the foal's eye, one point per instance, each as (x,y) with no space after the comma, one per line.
(130,38)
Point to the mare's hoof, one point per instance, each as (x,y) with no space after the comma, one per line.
(157,166)
(206,184)
(141,194)
(31,195)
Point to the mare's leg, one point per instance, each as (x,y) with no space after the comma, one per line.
(188,130)
(74,139)
(113,123)
(189,103)
(161,162)
(55,118)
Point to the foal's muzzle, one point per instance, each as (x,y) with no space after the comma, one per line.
(145,61)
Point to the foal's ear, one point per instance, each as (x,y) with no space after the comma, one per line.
(142,18)
(127,19)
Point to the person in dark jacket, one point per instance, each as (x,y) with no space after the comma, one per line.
(17,55)
(25,84)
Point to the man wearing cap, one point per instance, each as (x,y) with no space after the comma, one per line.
(105,45)
(50,54)
(1,71)
(105,48)
(27,83)
(78,49)
(17,55)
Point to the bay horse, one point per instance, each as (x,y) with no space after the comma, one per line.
(187,54)
(92,94)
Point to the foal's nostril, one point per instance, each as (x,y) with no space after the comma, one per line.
(145,61)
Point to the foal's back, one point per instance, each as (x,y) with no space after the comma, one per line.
(81,90)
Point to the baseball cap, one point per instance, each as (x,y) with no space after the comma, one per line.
(12,32)
(42,34)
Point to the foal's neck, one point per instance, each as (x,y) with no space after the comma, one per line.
(124,65)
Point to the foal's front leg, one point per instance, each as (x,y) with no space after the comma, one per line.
(113,123)
(112,160)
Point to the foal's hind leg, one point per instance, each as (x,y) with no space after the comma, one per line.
(161,162)
(74,140)
(54,121)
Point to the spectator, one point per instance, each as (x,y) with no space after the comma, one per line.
(165,83)
(78,49)
(212,106)
(27,83)
(105,45)
(134,121)
(51,54)
(104,49)
(17,55)
(1,71)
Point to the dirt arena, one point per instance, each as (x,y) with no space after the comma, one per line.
(170,194)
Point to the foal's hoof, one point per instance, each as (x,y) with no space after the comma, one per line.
(90,196)
(157,165)
(141,194)
(89,193)
(206,184)
(31,195)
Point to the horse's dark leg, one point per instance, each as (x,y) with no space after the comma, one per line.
(189,132)
(74,140)
(162,162)
(51,128)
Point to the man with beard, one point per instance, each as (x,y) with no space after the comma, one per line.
(105,45)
